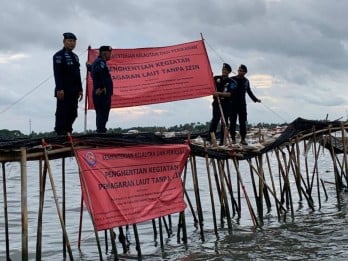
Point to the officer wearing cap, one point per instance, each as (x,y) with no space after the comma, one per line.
(102,87)
(223,85)
(239,107)
(68,90)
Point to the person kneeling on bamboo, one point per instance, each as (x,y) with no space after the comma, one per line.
(222,102)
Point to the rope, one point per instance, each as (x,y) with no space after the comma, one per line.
(217,54)
(26,94)
(277,114)
(30,92)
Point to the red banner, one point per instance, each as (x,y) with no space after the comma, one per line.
(155,75)
(132,184)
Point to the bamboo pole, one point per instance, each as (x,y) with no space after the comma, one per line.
(170,224)
(63,205)
(254,185)
(122,239)
(161,233)
(316,172)
(251,210)
(284,172)
(57,204)
(273,185)
(264,191)
(345,160)
(229,185)
(298,175)
(106,241)
(84,185)
(322,183)
(155,231)
(335,170)
(305,147)
(236,166)
(42,183)
(137,241)
(4,187)
(24,204)
(266,186)
(210,188)
(166,226)
(80,224)
(181,220)
(298,167)
(217,183)
(113,244)
(224,195)
(197,196)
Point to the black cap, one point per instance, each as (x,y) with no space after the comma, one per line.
(105,48)
(243,67)
(227,67)
(69,36)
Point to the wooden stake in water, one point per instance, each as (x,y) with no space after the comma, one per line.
(57,204)
(24,204)
(210,189)
(42,183)
(4,187)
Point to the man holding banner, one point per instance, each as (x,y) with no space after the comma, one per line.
(222,101)
(102,87)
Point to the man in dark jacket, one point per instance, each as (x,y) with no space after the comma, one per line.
(221,97)
(102,87)
(238,106)
(68,90)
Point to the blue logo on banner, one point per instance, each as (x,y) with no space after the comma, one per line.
(90,158)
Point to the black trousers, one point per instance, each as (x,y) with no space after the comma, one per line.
(226,107)
(239,112)
(66,113)
(102,105)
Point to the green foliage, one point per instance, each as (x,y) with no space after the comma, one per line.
(197,127)
(11,134)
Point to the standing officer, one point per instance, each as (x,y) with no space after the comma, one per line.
(68,90)
(102,87)
(222,96)
(239,107)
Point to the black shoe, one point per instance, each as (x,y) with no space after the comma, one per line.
(243,142)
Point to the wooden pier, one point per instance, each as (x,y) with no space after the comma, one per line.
(277,168)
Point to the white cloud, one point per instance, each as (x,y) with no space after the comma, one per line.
(8,58)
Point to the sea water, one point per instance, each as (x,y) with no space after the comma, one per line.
(321,234)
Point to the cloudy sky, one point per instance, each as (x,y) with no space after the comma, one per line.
(296,52)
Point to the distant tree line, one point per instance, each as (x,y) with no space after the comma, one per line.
(197,127)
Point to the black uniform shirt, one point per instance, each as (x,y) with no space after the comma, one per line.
(66,68)
(242,87)
(101,76)
(223,84)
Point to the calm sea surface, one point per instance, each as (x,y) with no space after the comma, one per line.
(312,235)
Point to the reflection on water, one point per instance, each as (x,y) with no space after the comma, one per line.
(318,235)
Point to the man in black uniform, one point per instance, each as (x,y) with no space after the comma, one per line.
(68,90)
(239,107)
(102,87)
(222,96)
